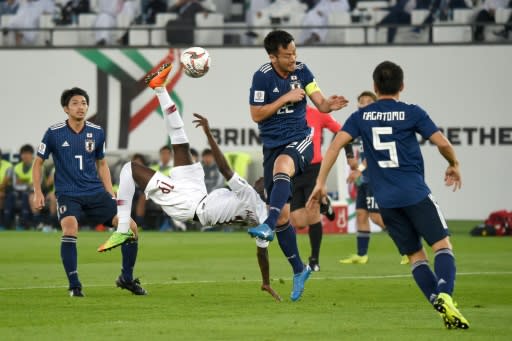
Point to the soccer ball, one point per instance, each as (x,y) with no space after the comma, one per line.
(196,61)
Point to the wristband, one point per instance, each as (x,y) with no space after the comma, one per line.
(361,167)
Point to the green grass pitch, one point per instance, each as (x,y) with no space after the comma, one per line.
(205,286)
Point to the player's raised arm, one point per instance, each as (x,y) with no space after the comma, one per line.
(329,104)
(452,175)
(220,160)
(262,112)
(342,138)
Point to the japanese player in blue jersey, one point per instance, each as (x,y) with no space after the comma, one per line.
(278,104)
(82,185)
(388,129)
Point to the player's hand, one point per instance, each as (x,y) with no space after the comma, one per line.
(337,102)
(38,200)
(318,193)
(201,121)
(268,288)
(295,95)
(352,177)
(452,177)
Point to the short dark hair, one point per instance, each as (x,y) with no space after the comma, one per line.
(166,147)
(367,93)
(194,152)
(206,151)
(69,93)
(27,148)
(388,78)
(276,39)
(139,156)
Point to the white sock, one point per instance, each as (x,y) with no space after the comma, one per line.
(173,122)
(124,198)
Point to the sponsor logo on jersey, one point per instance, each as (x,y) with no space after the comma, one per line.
(259,96)
(89,135)
(89,145)
(65,144)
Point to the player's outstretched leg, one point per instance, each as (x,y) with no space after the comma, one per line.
(452,317)
(262,231)
(299,280)
(124,205)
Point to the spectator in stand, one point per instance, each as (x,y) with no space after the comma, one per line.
(487,15)
(508,27)
(69,11)
(399,14)
(150,8)
(27,17)
(319,16)
(438,10)
(213,179)
(5,184)
(181,29)
(9,7)
(107,18)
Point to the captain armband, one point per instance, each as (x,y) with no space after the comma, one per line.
(311,88)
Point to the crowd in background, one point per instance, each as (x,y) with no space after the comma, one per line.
(17,211)
(313,16)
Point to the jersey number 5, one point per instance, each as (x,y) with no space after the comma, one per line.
(389,146)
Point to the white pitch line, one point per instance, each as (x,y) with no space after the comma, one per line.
(336,278)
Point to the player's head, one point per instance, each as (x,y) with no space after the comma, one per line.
(388,78)
(195,155)
(26,153)
(68,94)
(139,158)
(281,49)
(165,154)
(207,157)
(75,102)
(365,98)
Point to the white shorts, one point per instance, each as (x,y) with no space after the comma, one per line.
(180,193)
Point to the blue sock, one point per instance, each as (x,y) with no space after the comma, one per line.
(129,252)
(444,266)
(288,243)
(425,279)
(278,198)
(69,258)
(363,239)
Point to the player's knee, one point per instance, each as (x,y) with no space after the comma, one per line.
(442,244)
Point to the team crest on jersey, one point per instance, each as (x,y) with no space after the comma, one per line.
(89,145)
(259,96)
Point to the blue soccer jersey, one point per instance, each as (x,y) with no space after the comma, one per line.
(289,123)
(395,165)
(74,155)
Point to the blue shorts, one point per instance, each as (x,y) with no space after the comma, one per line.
(365,199)
(99,208)
(300,151)
(408,225)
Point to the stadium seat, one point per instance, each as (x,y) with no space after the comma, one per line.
(371,5)
(139,35)
(502,15)
(4,22)
(65,37)
(206,32)
(86,24)
(377,35)
(451,34)
(337,35)
(158,35)
(463,15)
(418,16)
(45,22)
